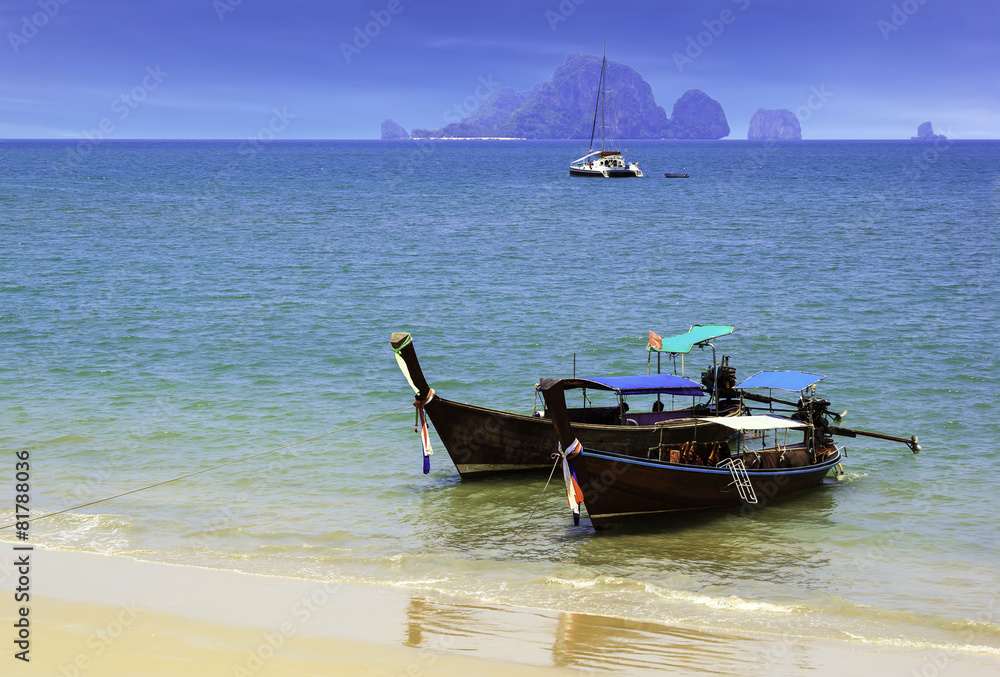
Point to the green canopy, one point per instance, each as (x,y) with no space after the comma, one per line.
(699,333)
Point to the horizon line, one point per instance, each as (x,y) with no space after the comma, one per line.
(99,142)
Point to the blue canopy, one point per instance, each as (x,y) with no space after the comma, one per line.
(668,384)
(782,380)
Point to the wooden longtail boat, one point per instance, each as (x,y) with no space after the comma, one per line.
(618,488)
(483,441)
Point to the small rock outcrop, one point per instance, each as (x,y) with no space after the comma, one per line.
(696,115)
(393,130)
(779,123)
(925,132)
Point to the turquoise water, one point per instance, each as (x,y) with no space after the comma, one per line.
(167,307)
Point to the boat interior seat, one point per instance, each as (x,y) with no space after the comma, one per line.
(597,415)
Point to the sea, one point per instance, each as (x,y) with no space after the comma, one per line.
(172,306)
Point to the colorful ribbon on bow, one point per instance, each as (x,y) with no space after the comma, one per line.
(425,435)
(574,495)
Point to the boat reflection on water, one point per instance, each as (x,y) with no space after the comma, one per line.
(570,640)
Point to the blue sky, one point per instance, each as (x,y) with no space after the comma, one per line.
(305,69)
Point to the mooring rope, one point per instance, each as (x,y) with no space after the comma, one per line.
(557,457)
(198,472)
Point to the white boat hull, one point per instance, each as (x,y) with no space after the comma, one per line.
(606,172)
(605,164)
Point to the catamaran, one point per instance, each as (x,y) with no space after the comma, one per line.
(605,162)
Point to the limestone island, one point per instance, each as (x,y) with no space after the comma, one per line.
(563,108)
(925,132)
(779,123)
(392,130)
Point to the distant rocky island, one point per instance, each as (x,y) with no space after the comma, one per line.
(780,123)
(392,130)
(563,108)
(925,132)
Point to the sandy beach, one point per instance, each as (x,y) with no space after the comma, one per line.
(99,615)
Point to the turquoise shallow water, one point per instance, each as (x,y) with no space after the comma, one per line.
(165,307)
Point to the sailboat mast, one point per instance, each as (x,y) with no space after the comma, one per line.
(597,102)
(604,60)
(606,163)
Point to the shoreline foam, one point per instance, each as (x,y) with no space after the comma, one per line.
(112,615)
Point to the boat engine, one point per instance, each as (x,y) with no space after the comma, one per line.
(815,410)
(727,381)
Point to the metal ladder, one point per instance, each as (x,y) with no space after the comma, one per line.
(740,478)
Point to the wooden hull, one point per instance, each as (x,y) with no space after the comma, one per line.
(618,489)
(484,441)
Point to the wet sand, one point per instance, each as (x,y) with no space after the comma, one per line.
(99,615)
